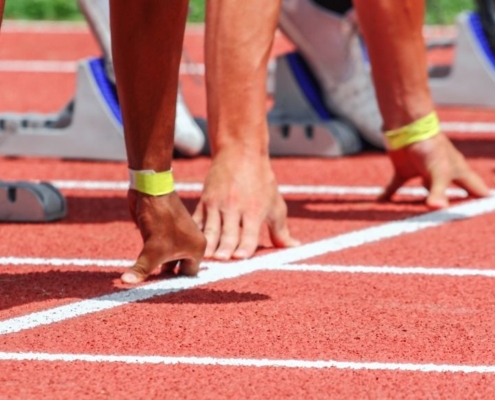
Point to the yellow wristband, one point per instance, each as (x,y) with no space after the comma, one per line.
(151,182)
(422,129)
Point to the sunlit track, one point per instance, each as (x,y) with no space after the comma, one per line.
(375,304)
(240,268)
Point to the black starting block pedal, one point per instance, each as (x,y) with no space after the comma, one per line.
(31,202)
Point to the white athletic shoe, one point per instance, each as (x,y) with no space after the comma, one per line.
(331,46)
(189,138)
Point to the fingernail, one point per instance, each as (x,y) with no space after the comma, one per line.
(220,255)
(241,254)
(129,277)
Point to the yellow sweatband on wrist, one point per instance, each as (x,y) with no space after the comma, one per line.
(151,182)
(417,131)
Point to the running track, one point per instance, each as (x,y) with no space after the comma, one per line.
(381,300)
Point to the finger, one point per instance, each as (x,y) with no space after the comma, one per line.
(149,259)
(437,198)
(199,215)
(229,238)
(189,266)
(278,228)
(394,185)
(212,231)
(249,238)
(473,184)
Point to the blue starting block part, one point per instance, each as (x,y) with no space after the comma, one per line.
(470,80)
(300,123)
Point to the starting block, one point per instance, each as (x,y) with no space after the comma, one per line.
(30,202)
(470,81)
(90,127)
(300,123)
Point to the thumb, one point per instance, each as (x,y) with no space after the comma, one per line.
(149,259)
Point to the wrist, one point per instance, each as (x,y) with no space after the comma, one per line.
(151,183)
(420,130)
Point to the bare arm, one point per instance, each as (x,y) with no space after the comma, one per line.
(240,191)
(393,34)
(147,40)
(239,37)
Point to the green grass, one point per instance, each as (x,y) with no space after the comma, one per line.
(439,11)
(42,10)
(67,10)
(445,11)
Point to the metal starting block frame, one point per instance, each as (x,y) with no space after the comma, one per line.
(470,81)
(300,124)
(31,202)
(90,127)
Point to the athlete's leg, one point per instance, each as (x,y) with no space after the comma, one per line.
(393,34)
(147,39)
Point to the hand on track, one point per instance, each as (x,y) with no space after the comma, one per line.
(241,194)
(171,240)
(439,164)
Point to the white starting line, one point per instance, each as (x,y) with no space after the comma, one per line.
(224,271)
(284,189)
(250,362)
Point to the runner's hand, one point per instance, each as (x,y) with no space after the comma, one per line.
(439,164)
(239,196)
(169,236)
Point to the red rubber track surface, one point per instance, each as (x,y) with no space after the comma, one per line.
(358,317)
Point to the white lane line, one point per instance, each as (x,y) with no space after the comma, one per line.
(77,262)
(285,189)
(344,269)
(468,127)
(236,269)
(389,270)
(250,362)
(70,67)
(64,262)
(41,66)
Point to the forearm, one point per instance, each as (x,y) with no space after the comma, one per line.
(393,33)
(239,36)
(147,40)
